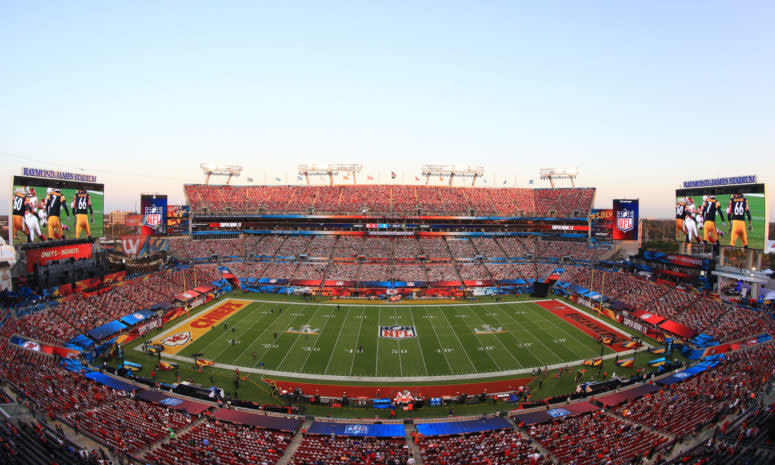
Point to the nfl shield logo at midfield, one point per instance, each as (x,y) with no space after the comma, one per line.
(625,220)
(397,332)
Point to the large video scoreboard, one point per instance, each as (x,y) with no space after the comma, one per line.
(719,210)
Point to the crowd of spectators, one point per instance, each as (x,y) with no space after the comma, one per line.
(321,246)
(343,272)
(215,443)
(435,248)
(375,272)
(406,199)
(703,313)
(310,271)
(409,273)
(442,272)
(327,450)
(128,425)
(499,447)
(263,246)
(596,438)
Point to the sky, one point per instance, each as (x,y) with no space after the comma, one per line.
(638,96)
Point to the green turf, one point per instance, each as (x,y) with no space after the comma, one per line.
(756,205)
(446,342)
(253,388)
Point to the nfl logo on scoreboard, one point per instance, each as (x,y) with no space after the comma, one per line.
(397,332)
(153,215)
(624,220)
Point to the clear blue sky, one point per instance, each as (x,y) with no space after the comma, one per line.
(637,95)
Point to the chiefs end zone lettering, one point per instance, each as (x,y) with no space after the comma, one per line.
(174,340)
(42,256)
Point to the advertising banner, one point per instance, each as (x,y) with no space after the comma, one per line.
(140,246)
(602,224)
(675,259)
(177,219)
(154,211)
(625,217)
(44,255)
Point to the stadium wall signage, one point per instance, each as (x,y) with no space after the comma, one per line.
(61,175)
(720,181)
(49,254)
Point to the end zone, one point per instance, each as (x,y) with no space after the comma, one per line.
(587,324)
(181,335)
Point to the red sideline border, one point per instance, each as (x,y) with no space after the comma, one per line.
(586,324)
(372,392)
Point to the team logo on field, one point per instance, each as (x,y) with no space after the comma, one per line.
(487,329)
(177,339)
(306,329)
(625,220)
(397,332)
(32,345)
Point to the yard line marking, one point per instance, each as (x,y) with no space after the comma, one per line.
(499,342)
(449,367)
(317,339)
(411,313)
(298,337)
(536,338)
(355,351)
(481,344)
(252,328)
(215,339)
(556,325)
(459,342)
(333,351)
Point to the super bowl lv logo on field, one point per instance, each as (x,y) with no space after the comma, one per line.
(174,340)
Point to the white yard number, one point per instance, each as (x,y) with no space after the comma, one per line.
(444,350)
(485,348)
(559,341)
(399,351)
(429,316)
(310,349)
(524,345)
(270,346)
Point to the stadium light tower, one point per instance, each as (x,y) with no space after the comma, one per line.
(559,173)
(218,170)
(449,170)
(329,170)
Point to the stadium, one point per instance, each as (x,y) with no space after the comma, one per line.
(379,323)
(387,233)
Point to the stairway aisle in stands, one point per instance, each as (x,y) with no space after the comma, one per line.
(294,445)
(411,428)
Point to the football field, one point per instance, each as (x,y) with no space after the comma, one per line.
(381,340)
